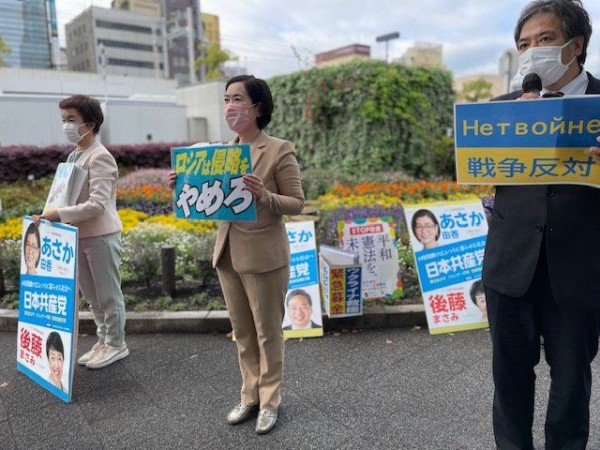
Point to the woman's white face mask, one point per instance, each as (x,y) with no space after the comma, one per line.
(71,131)
(546,62)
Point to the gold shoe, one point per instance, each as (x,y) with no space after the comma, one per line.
(240,413)
(266,421)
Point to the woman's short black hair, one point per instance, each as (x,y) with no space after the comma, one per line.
(424,213)
(260,94)
(33,229)
(88,108)
(54,342)
(476,289)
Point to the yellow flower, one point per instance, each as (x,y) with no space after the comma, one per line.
(131,218)
(194,226)
(11,229)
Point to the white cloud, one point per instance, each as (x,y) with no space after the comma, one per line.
(473,33)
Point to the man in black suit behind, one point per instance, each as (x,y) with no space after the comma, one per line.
(542,260)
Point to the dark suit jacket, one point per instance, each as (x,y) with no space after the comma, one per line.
(569,218)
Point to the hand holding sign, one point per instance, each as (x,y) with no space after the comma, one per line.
(595,150)
(255,185)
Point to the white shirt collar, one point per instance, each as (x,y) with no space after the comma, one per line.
(576,86)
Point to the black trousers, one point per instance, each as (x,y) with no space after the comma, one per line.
(570,345)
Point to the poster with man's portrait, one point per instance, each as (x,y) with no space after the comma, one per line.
(303,299)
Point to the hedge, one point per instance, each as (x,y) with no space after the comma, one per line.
(367,116)
(20,162)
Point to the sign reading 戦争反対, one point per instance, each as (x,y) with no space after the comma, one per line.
(528,142)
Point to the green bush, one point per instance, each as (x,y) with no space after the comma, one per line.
(141,256)
(10,262)
(24,197)
(11,301)
(365,116)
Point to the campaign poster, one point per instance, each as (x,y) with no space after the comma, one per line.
(209,183)
(374,241)
(341,285)
(533,142)
(303,300)
(48,306)
(448,243)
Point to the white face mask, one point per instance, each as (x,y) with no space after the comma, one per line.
(546,62)
(71,131)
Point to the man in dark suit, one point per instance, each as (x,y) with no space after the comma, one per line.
(542,260)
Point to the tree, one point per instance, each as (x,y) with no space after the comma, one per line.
(476,90)
(214,58)
(4,51)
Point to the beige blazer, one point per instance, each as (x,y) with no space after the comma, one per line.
(95,213)
(263,246)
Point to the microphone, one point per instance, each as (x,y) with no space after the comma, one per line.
(532,84)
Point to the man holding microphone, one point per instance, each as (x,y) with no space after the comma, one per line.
(541,269)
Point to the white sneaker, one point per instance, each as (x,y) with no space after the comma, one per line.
(107,356)
(87,357)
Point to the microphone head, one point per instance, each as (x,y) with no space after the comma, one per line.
(532,83)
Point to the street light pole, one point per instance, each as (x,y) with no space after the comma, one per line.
(387,38)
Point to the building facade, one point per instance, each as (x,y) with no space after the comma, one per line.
(136,110)
(148,7)
(25,27)
(187,31)
(342,55)
(205,31)
(423,54)
(115,42)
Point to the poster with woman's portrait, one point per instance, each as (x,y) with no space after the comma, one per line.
(45,352)
(48,305)
(448,242)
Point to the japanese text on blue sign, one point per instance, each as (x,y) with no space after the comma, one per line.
(209,183)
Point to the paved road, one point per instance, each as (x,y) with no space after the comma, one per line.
(377,389)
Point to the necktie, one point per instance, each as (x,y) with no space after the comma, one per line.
(553,94)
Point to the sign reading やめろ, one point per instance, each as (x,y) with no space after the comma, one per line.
(209,183)
(528,142)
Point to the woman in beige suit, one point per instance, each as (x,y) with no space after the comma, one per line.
(95,214)
(252,259)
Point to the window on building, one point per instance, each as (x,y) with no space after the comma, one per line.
(123,27)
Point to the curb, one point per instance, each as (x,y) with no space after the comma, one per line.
(379,316)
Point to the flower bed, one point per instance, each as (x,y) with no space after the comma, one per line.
(145,208)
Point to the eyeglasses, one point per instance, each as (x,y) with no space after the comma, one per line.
(427,226)
(31,247)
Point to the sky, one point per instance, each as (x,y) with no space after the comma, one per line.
(273,37)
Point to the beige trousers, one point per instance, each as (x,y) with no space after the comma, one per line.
(256,307)
(100,283)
